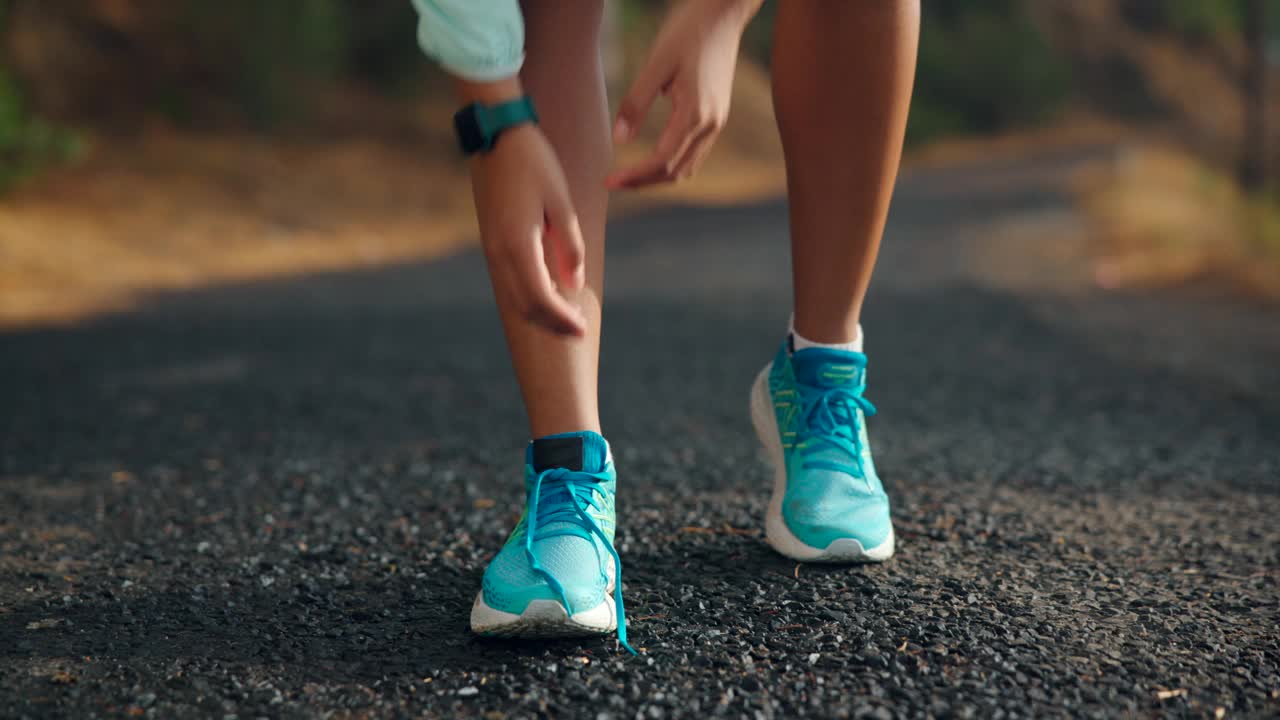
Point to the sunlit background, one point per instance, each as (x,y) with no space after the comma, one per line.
(259,433)
(157,144)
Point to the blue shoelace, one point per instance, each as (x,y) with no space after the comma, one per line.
(570,493)
(830,415)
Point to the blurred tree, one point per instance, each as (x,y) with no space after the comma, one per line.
(1253,167)
(382,45)
(274,57)
(1194,19)
(206,62)
(984,66)
(27,142)
(1195,69)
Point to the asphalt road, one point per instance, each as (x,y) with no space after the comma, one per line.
(277,499)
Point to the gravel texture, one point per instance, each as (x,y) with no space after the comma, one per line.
(277,499)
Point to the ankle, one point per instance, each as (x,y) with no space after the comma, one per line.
(840,339)
(564,424)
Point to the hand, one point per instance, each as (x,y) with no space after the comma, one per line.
(529,229)
(691,62)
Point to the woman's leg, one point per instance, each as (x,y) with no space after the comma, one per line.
(563,74)
(547,581)
(842,75)
(842,72)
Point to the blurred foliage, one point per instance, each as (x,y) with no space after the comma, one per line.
(984,66)
(281,53)
(209,62)
(1162,215)
(26,141)
(1263,215)
(287,52)
(1192,19)
(284,54)
(1205,18)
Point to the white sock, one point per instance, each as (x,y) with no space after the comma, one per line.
(800,343)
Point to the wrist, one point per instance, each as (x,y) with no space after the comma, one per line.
(481,123)
(489,93)
(517,136)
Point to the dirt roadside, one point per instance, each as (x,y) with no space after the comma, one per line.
(171,210)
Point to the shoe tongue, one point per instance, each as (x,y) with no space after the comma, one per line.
(579,451)
(820,367)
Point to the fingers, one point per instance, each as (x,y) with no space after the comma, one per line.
(684,143)
(563,244)
(697,153)
(522,270)
(644,90)
(661,163)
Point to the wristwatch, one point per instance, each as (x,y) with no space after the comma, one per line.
(478,126)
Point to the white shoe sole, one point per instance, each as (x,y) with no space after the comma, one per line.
(543,619)
(547,618)
(776,532)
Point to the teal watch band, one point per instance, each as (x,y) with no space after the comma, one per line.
(479,126)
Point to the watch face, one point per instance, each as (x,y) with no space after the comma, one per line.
(470,137)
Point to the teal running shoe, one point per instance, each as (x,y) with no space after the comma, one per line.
(827,504)
(558,574)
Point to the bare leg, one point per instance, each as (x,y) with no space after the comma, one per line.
(842,76)
(563,74)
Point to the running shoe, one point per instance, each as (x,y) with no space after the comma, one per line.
(828,504)
(558,574)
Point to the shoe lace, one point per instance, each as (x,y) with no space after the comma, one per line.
(568,494)
(831,419)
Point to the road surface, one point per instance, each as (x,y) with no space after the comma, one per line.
(276,499)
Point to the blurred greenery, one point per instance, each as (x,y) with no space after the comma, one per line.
(282,52)
(985,66)
(286,53)
(275,60)
(1195,20)
(26,141)
(1263,215)
(1204,18)
(199,63)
